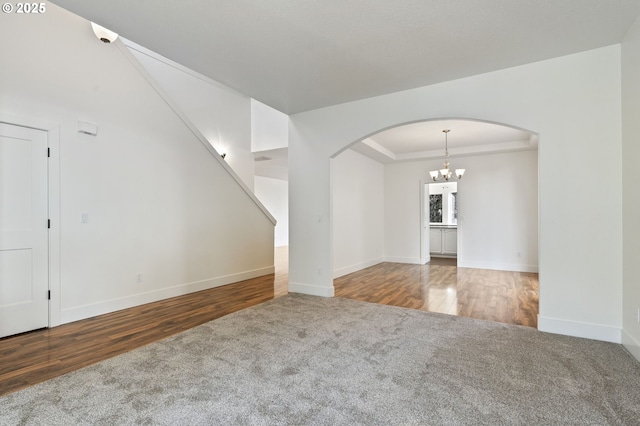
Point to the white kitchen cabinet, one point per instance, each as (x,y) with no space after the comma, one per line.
(443,241)
(435,240)
(450,241)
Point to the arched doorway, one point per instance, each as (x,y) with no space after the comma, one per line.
(580,276)
(498,223)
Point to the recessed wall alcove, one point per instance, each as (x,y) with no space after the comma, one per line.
(380,209)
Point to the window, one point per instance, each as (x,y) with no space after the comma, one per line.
(453,207)
(435,208)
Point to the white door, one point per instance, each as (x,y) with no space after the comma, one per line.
(24,276)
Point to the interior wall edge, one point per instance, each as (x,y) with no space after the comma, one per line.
(409,260)
(337,273)
(515,267)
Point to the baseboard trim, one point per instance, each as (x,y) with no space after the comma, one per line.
(580,329)
(631,344)
(112,305)
(498,266)
(410,260)
(354,268)
(313,290)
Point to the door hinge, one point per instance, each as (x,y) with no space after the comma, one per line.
(48,152)
(48,294)
(49,223)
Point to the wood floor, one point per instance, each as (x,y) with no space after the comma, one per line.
(281,263)
(503,296)
(36,356)
(33,357)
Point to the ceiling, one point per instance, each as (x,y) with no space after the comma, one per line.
(273,163)
(296,55)
(425,140)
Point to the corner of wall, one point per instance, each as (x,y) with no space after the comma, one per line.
(631,344)
(630,196)
(312,290)
(580,329)
(337,273)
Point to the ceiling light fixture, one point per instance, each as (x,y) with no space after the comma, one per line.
(446,174)
(103,34)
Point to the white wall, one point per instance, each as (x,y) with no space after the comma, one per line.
(497,211)
(269,127)
(274,194)
(572,102)
(357,212)
(631,194)
(159,202)
(221,114)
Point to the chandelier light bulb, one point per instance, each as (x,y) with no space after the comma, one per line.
(445,174)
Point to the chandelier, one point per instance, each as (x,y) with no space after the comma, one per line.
(446,174)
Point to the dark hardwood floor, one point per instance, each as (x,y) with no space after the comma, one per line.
(39,355)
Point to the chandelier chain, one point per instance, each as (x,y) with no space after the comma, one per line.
(446,143)
(445,173)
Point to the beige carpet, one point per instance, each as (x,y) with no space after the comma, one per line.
(329,361)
